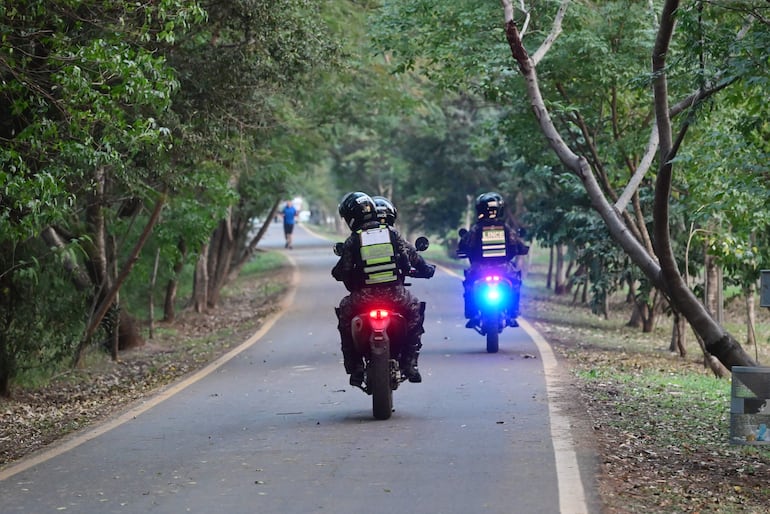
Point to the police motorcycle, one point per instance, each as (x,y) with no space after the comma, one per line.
(380,334)
(492,291)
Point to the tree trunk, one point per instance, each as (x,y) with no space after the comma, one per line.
(713,294)
(201,282)
(661,270)
(7,365)
(151,296)
(631,296)
(551,258)
(751,316)
(116,328)
(560,273)
(221,251)
(636,320)
(716,341)
(580,279)
(679,336)
(169,304)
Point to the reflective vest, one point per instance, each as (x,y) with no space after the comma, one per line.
(378,256)
(493,242)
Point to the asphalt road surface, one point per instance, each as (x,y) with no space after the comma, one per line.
(274,427)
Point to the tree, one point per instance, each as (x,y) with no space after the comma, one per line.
(663,272)
(80,98)
(241,113)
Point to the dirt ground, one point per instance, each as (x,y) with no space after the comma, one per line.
(634,475)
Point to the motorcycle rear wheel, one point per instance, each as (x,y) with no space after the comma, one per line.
(379,383)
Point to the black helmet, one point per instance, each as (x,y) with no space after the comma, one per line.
(386,211)
(357,208)
(490,206)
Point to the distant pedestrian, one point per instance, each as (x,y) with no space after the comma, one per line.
(289,213)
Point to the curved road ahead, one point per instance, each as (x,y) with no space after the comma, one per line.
(274,426)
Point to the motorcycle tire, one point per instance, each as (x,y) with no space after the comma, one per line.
(491,327)
(379,384)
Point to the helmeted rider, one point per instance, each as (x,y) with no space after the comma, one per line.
(491,242)
(373,264)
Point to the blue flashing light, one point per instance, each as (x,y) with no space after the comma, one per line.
(493,291)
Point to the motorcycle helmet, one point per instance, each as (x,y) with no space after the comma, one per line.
(490,206)
(386,211)
(357,208)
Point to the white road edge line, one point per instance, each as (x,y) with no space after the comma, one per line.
(570,484)
(68,444)
(571,493)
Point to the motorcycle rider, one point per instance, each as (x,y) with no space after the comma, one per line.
(373,265)
(491,242)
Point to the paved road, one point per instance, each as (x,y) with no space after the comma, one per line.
(275,428)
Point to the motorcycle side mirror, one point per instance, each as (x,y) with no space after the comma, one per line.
(462,232)
(338,249)
(421,244)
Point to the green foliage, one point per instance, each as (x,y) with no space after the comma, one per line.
(36,314)
(105,105)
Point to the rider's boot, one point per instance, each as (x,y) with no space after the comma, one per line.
(409,361)
(411,371)
(351,359)
(354,367)
(513,309)
(470,309)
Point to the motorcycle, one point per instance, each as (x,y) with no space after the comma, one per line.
(492,290)
(380,333)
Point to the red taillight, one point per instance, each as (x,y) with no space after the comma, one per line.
(378,314)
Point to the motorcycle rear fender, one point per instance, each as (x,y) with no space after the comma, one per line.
(371,334)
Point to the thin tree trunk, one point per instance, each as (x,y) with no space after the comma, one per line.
(169,304)
(221,250)
(636,320)
(679,336)
(113,292)
(201,282)
(116,326)
(151,299)
(751,315)
(713,295)
(559,286)
(551,258)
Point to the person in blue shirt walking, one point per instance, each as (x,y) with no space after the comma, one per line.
(289,213)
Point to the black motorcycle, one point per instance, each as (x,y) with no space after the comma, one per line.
(492,290)
(380,332)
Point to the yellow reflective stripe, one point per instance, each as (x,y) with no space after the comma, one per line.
(381,252)
(379,278)
(381,267)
